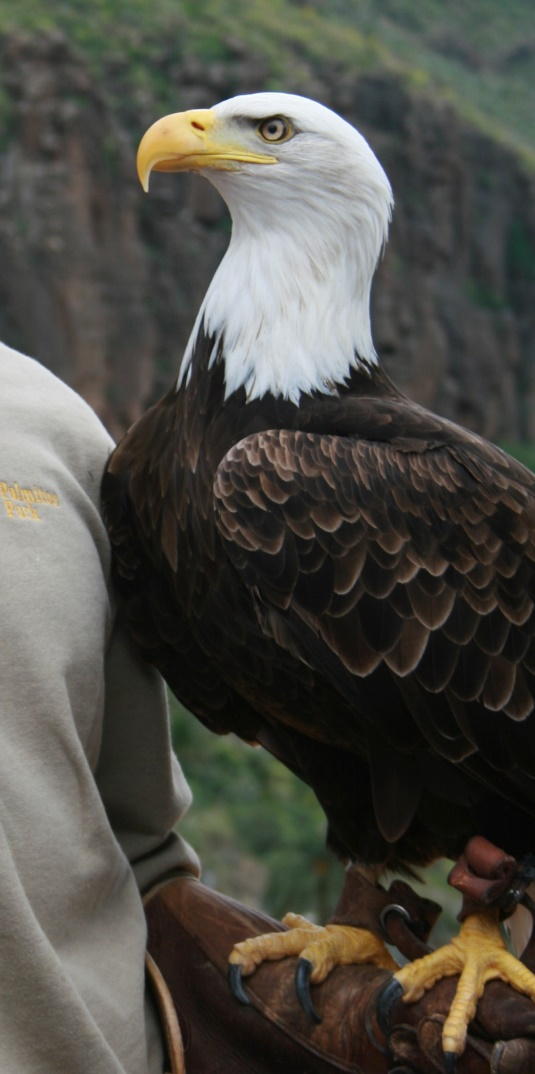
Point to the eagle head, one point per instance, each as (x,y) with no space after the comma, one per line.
(310,207)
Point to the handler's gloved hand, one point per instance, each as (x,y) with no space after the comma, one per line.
(191,933)
(501,1041)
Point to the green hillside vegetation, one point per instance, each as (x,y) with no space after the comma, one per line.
(480,56)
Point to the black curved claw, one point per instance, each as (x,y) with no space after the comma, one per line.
(388,996)
(450,1062)
(302,987)
(234,978)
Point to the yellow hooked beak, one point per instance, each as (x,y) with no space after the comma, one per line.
(191,141)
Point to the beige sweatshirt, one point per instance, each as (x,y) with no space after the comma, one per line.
(89,787)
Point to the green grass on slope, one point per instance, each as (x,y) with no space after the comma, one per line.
(480,55)
(488,26)
(135,32)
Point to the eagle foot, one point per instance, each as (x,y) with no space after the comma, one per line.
(478,955)
(318,948)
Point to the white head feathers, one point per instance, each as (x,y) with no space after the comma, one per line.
(291,296)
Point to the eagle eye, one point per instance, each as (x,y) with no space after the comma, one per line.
(275,129)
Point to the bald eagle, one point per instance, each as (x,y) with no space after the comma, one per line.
(311,559)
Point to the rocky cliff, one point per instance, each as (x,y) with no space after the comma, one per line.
(102,283)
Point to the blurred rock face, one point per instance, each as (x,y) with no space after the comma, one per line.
(102,284)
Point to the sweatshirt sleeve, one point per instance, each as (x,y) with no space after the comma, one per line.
(139,777)
(90,787)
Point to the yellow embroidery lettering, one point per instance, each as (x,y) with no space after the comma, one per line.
(20,503)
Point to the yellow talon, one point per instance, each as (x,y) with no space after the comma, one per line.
(268,948)
(323,946)
(478,954)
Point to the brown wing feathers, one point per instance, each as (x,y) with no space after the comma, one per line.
(396,558)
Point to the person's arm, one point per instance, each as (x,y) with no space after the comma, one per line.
(140,780)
